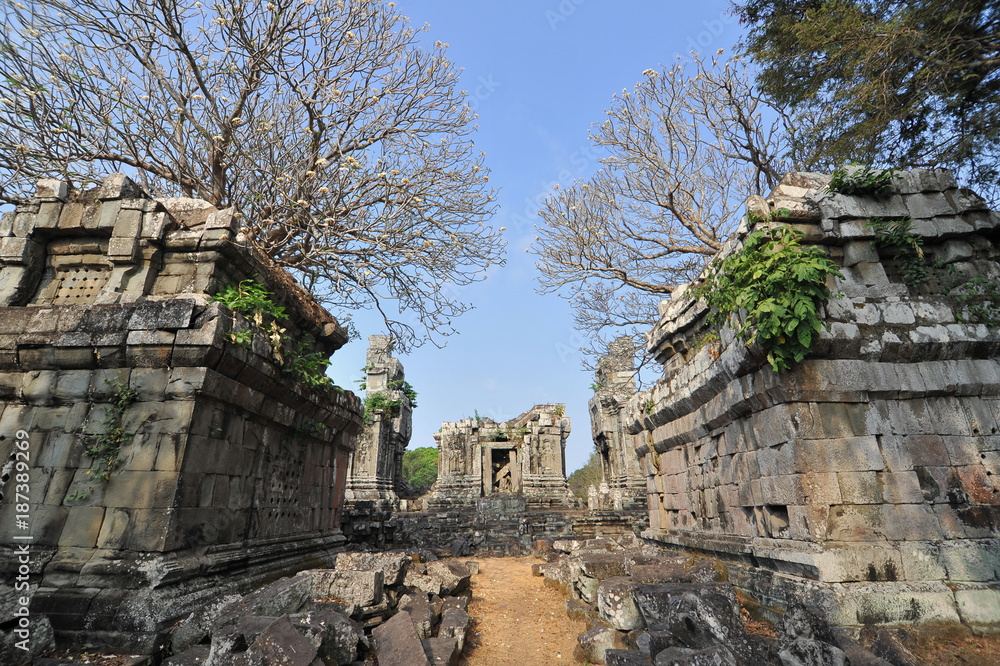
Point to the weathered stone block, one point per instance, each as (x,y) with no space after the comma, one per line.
(141,489)
(82,527)
(616,605)
(397,644)
(393,565)
(363,588)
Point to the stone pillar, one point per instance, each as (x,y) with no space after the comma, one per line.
(228,468)
(615,382)
(864,480)
(376,464)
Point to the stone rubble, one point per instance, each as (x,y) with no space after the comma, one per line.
(644,605)
(343,615)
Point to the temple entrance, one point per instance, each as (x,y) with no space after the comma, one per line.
(503,467)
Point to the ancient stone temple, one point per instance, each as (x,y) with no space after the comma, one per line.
(624,484)
(524,457)
(225,461)
(866,479)
(375,470)
(376,465)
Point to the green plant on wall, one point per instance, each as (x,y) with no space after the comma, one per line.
(771,291)
(377,401)
(898,234)
(406,389)
(977,300)
(250,299)
(106,445)
(858,180)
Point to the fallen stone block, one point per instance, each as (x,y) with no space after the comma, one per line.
(626,658)
(462,603)
(364,588)
(717,655)
(586,587)
(437,605)
(198,625)
(557,572)
(193,656)
(578,611)
(455,623)
(658,603)
(616,605)
(440,651)
(810,652)
(423,583)
(567,545)
(855,653)
(593,644)
(335,635)
(393,565)
(420,612)
(602,566)
(281,644)
(888,646)
(231,641)
(454,576)
(702,570)
(396,643)
(39,641)
(696,616)
(282,597)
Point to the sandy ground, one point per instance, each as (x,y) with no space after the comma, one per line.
(517,619)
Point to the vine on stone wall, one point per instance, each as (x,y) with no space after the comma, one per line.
(106,446)
(771,292)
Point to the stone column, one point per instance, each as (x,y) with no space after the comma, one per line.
(615,382)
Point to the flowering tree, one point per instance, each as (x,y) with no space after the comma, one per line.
(681,155)
(343,145)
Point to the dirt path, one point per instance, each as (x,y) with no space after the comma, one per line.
(517,620)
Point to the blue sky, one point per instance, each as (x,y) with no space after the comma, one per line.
(540,72)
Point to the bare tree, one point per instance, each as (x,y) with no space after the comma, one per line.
(682,153)
(345,146)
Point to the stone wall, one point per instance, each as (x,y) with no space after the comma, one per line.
(494,528)
(864,480)
(231,470)
(524,456)
(624,485)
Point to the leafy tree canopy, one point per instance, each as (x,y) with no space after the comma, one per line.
(590,474)
(901,83)
(420,468)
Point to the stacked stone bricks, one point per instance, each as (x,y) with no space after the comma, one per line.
(231,471)
(866,479)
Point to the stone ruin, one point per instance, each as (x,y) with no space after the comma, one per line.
(375,469)
(231,469)
(866,480)
(624,485)
(523,457)
(376,466)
